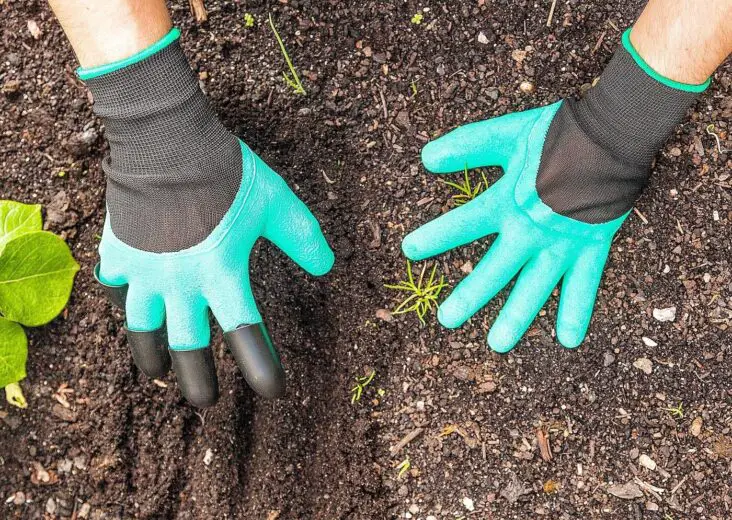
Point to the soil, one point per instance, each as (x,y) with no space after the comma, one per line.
(379,87)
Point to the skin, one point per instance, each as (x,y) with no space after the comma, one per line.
(684,40)
(105,31)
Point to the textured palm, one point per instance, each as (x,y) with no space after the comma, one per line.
(540,247)
(178,289)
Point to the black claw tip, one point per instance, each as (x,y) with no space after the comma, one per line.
(196,374)
(150,351)
(117,294)
(257,359)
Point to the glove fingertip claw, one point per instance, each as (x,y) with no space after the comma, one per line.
(323,267)
(410,247)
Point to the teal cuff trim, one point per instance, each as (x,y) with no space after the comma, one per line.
(655,75)
(95,72)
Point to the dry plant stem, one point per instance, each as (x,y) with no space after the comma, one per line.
(292,79)
(199,10)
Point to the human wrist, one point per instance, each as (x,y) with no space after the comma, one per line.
(633,109)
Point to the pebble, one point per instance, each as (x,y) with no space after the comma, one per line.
(414,509)
(667,314)
(647,462)
(648,342)
(208,457)
(526,87)
(468,503)
(51,506)
(482,38)
(651,506)
(608,359)
(696,426)
(644,364)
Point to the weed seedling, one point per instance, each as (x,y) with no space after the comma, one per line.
(423,296)
(417,18)
(413,88)
(677,412)
(248,20)
(291,78)
(403,467)
(361,383)
(465,190)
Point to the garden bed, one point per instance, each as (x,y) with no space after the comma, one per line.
(378,87)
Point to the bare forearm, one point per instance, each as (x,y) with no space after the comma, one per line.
(104,31)
(684,40)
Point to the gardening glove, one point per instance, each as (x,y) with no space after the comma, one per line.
(572,172)
(186,201)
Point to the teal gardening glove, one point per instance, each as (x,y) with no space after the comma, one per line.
(186,201)
(572,171)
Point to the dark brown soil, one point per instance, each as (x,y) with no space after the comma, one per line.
(130,448)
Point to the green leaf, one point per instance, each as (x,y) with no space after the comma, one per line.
(17,218)
(13,352)
(36,275)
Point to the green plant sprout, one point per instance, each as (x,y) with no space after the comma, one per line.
(291,78)
(423,297)
(403,467)
(677,412)
(417,18)
(361,383)
(36,275)
(413,88)
(248,20)
(465,190)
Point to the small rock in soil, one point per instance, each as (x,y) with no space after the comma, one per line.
(526,87)
(696,426)
(648,342)
(608,359)
(468,504)
(667,314)
(647,462)
(644,364)
(627,491)
(384,314)
(208,457)
(80,144)
(64,414)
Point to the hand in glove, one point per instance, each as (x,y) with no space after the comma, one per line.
(186,201)
(572,172)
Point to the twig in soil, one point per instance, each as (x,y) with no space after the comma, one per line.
(653,490)
(599,42)
(640,215)
(710,131)
(551,13)
(406,440)
(361,383)
(199,10)
(677,486)
(383,103)
(292,79)
(423,297)
(543,439)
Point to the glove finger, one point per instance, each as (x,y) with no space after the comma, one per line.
(114,293)
(193,363)
(196,373)
(293,228)
(248,340)
(485,143)
(577,296)
(145,323)
(533,287)
(455,228)
(499,265)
